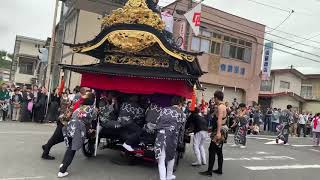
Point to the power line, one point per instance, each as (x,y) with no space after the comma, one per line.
(291,34)
(281,50)
(263,38)
(315,47)
(267,5)
(282,22)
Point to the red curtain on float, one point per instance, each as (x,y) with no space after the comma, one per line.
(136,85)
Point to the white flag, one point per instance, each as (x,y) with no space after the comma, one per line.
(194,18)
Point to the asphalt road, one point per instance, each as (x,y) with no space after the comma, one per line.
(20,151)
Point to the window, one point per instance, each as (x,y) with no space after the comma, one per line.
(284,85)
(215,47)
(204,45)
(236,49)
(242,71)
(223,67)
(230,67)
(266,85)
(233,51)
(306,90)
(195,44)
(236,69)
(240,53)
(25,66)
(206,34)
(207,42)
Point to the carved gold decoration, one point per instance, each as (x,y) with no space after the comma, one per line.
(134,12)
(179,68)
(186,57)
(138,61)
(138,42)
(132,41)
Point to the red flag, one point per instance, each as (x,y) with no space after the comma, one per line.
(61,86)
(193,101)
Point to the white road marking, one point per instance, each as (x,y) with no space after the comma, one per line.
(301,145)
(24,132)
(297,166)
(263,158)
(261,152)
(261,138)
(315,150)
(23,178)
(274,142)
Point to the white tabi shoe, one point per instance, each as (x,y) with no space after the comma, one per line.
(243,147)
(172,177)
(61,175)
(127,147)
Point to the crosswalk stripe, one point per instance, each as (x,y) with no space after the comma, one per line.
(301,145)
(262,158)
(315,150)
(297,166)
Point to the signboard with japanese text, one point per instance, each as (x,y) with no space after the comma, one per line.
(267,59)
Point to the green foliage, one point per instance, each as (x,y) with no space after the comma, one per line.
(4,63)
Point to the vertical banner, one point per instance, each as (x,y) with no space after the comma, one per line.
(267,59)
(182,33)
(194,18)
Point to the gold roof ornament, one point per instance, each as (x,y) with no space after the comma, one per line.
(134,12)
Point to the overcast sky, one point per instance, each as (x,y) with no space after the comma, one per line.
(34,18)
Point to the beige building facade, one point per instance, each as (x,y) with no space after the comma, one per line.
(289,86)
(232,51)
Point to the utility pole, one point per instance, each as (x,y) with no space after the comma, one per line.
(48,75)
(189,31)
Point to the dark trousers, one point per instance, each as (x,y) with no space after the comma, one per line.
(56,138)
(4,115)
(131,134)
(267,123)
(303,128)
(214,150)
(68,157)
(274,127)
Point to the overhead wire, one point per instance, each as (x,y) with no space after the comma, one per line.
(281,50)
(282,22)
(236,22)
(291,34)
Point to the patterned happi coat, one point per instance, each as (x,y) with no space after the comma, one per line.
(107,114)
(152,115)
(130,113)
(170,131)
(77,127)
(241,131)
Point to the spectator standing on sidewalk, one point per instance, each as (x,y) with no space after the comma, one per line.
(53,111)
(16,102)
(4,101)
(275,119)
(40,105)
(316,129)
(309,125)
(267,120)
(302,124)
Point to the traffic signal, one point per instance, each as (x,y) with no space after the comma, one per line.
(43,55)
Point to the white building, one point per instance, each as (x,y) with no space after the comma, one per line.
(289,86)
(25,60)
